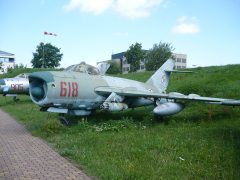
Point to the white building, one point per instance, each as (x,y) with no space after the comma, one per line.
(180,61)
(7,60)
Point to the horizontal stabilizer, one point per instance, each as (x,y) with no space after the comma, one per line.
(178,71)
(231,103)
(227,103)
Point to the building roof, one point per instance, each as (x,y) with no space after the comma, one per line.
(118,55)
(122,54)
(5,54)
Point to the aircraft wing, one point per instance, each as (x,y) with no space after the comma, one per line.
(133,92)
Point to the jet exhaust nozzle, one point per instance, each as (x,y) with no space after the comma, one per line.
(168,108)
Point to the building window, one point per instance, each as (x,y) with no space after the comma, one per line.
(124,61)
(126,69)
(11,59)
(178,59)
(2,59)
(184,60)
(142,67)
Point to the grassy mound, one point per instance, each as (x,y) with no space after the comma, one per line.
(15,72)
(132,145)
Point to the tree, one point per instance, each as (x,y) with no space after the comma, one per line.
(156,56)
(19,66)
(46,56)
(134,55)
(114,68)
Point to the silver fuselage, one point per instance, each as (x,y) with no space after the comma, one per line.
(75,90)
(14,86)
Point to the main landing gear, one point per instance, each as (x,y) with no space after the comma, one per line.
(15,99)
(63,119)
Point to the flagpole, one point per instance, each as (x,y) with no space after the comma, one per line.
(43,50)
(45,33)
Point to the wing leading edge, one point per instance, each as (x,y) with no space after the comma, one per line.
(128,92)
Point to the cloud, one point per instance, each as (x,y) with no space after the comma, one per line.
(128,8)
(93,6)
(186,25)
(167,4)
(135,8)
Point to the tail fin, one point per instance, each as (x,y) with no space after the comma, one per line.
(103,67)
(161,77)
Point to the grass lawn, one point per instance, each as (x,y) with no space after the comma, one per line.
(133,145)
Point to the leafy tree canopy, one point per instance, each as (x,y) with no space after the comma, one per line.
(46,56)
(157,55)
(134,55)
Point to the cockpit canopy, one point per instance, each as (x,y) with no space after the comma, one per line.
(83,68)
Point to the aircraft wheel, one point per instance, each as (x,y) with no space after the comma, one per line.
(158,118)
(161,119)
(15,99)
(63,120)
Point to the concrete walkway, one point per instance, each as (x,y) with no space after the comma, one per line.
(23,156)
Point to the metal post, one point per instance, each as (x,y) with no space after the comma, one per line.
(43,51)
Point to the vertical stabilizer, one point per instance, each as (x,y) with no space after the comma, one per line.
(161,77)
(103,67)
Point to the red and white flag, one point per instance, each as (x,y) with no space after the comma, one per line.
(48,33)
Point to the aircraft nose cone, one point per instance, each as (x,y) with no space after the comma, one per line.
(37,92)
(2,82)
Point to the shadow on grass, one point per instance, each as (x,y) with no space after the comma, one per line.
(194,114)
(199,112)
(8,100)
(143,116)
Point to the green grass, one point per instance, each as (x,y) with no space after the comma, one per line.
(133,145)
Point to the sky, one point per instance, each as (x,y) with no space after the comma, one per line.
(208,31)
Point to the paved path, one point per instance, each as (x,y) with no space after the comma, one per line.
(23,156)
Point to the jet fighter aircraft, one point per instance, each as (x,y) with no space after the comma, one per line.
(15,86)
(83,90)
(20,83)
